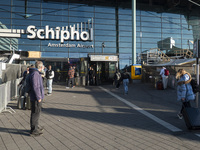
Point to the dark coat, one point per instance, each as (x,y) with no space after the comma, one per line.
(36,83)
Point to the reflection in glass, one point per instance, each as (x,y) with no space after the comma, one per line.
(151,27)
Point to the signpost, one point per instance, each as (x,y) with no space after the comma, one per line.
(34,54)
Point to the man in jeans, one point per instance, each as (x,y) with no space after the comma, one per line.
(126,78)
(49,76)
(36,96)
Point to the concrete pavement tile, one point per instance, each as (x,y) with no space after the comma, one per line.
(150,148)
(33,143)
(8,141)
(142,146)
(108,147)
(195,148)
(2,145)
(89,118)
(45,142)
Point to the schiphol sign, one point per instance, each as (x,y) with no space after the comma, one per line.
(76,32)
(59,34)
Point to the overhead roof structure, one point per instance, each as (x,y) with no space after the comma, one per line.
(175,62)
(148,5)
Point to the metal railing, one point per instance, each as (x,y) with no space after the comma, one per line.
(8,92)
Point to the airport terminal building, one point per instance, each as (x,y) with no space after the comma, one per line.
(95,33)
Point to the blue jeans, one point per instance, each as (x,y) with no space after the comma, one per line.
(49,85)
(125,83)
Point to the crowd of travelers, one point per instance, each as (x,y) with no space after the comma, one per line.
(34,83)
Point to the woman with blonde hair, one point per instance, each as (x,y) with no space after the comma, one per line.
(184,89)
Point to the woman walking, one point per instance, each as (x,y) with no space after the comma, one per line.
(185,93)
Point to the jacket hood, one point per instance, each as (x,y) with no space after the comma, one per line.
(32,70)
(185,79)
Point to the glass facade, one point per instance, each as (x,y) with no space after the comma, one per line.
(111,25)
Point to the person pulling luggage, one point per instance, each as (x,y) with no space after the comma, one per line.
(185,93)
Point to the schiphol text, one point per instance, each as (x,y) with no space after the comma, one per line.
(58,34)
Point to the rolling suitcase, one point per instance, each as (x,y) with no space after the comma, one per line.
(159,85)
(191,116)
(28,102)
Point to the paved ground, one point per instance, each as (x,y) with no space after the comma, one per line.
(96,118)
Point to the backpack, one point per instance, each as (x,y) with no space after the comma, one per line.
(195,86)
(27,84)
(118,76)
(126,76)
(166,72)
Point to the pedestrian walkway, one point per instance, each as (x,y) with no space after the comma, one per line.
(94,118)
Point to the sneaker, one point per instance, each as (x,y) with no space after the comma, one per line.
(67,87)
(40,128)
(36,133)
(48,94)
(180,116)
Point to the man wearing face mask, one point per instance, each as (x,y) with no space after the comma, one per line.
(36,96)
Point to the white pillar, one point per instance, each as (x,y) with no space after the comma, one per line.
(133,31)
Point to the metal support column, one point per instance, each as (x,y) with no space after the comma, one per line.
(197,94)
(133,31)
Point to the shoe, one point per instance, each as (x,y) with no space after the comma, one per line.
(40,128)
(36,133)
(48,94)
(180,116)
(67,87)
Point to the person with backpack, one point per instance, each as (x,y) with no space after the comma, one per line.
(126,79)
(185,92)
(117,78)
(49,76)
(164,74)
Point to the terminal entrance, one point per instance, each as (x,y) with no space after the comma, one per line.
(104,71)
(104,66)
